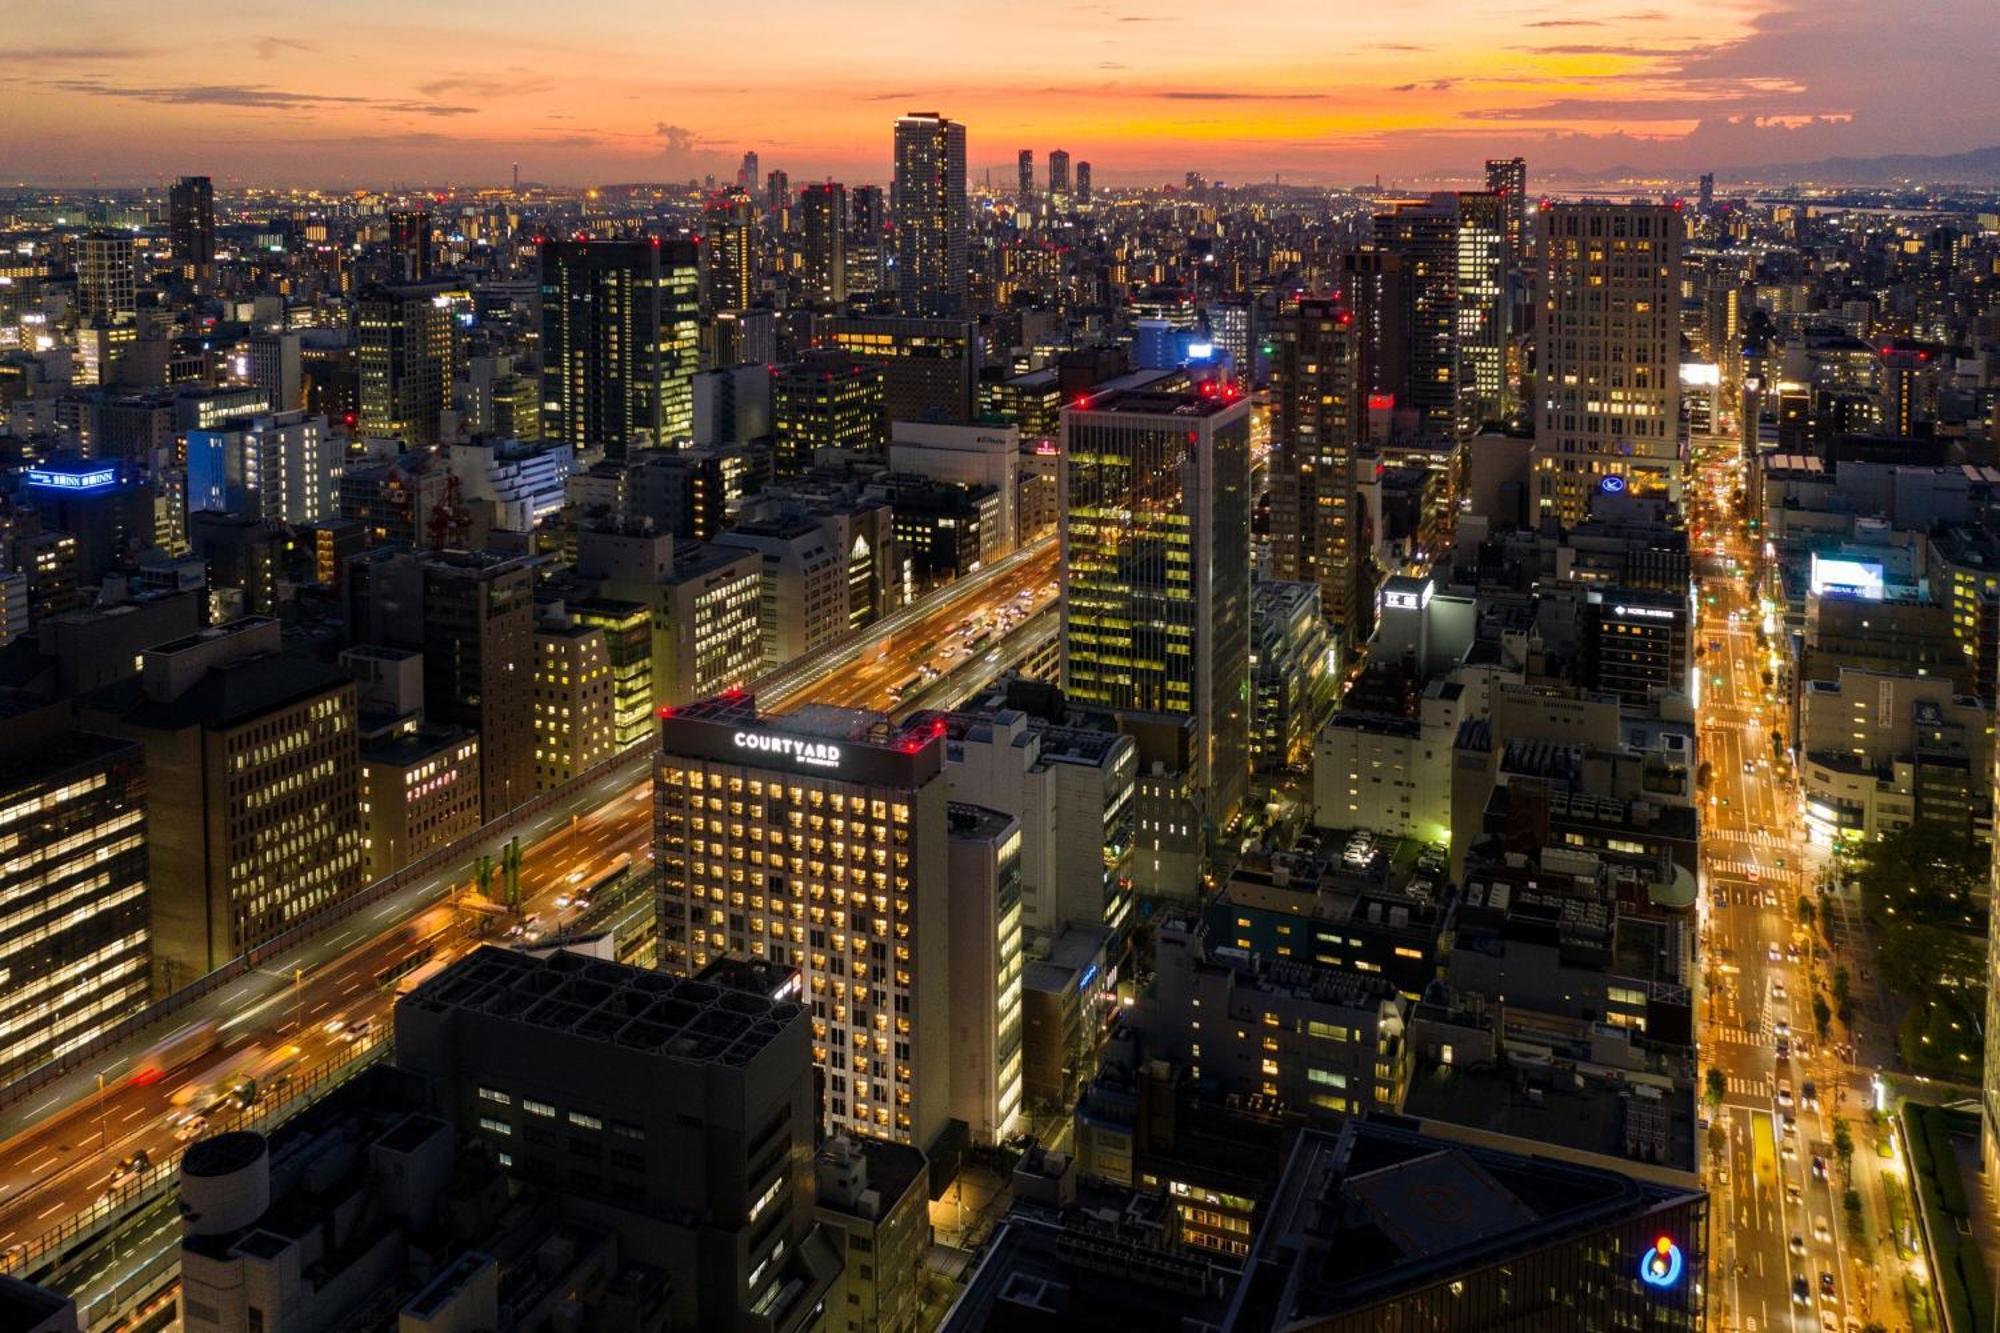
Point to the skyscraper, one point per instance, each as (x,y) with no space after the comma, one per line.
(1083,182)
(1425,238)
(406,350)
(106,290)
(1314,520)
(830,399)
(823,220)
(1482,308)
(1608,385)
(471,614)
(930,210)
(748,174)
(730,220)
(1155,545)
(74,813)
(1027,175)
(866,926)
(618,323)
(1508,178)
(410,246)
(191,228)
(1058,172)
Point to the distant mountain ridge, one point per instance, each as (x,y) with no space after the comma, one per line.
(1979,166)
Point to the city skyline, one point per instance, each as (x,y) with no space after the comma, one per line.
(1144,94)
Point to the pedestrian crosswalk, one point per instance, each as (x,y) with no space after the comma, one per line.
(1755,837)
(1749,1087)
(1729,1034)
(1740,868)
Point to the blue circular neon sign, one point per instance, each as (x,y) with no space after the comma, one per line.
(1612,485)
(1661,1266)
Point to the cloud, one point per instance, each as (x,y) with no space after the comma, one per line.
(269,48)
(1394,46)
(77,55)
(483,88)
(1433,86)
(256,97)
(1609,49)
(675,138)
(1112,64)
(1199,95)
(887,97)
(1565,23)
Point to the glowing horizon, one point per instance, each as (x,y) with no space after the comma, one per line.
(451,92)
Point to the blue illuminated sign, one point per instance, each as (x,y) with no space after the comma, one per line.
(1613,485)
(1661,1266)
(1089,975)
(94,480)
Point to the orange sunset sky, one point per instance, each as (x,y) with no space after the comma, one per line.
(436,91)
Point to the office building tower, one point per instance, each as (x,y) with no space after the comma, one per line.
(410,258)
(750,172)
(107,289)
(574,700)
(1026,189)
(1424,237)
(106,507)
(671,1118)
(930,367)
(252,790)
(406,352)
(931,218)
(986,963)
(78,957)
(777,197)
(823,222)
(870,215)
(1155,549)
(1292,672)
(191,228)
(471,614)
(419,792)
(1083,182)
(284,467)
(818,840)
(277,367)
(1059,172)
(1508,178)
(830,399)
(1372,283)
(729,224)
(1483,259)
(1315,516)
(1607,388)
(619,322)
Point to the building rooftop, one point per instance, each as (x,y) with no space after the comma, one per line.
(621,1008)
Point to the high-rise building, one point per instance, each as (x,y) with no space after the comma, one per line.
(252,792)
(191,228)
(750,172)
(819,840)
(471,614)
(931,217)
(930,367)
(628,646)
(1425,238)
(619,323)
(986,964)
(1315,518)
(1025,189)
(870,218)
(284,467)
(410,258)
(1483,259)
(406,353)
(823,220)
(675,1115)
(1058,172)
(107,290)
(575,701)
(1155,549)
(1083,182)
(1608,390)
(777,197)
(1372,283)
(829,399)
(1508,178)
(730,234)
(79,956)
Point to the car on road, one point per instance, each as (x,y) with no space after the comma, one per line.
(1825,1285)
(1819,1167)
(1801,1293)
(1791,1125)
(1782,1027)
(1784,1092)
(1798,1243)
(1811,1095)
(190,1127)
(1777,989)
(1784,1049)
(1821,1232)
(1771,954)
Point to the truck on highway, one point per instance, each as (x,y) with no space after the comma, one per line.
(186,1044)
